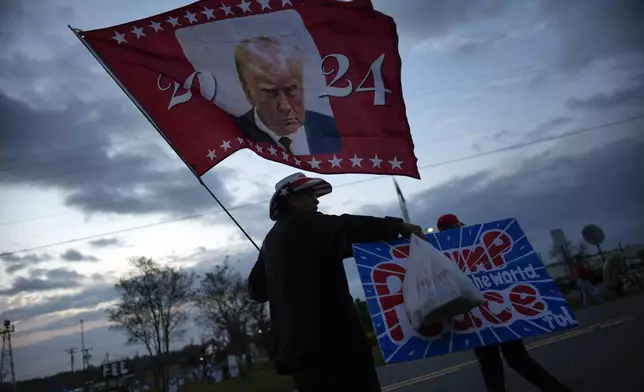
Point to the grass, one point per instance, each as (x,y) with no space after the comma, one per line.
(261,378)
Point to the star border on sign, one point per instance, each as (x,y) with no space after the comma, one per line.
(156,26)
(138,31)
(211,154)
(259,148)
(225,145)
(285,155)
(396,164)
(245,7)
(209,13)
(265,4)
(356,161)
(376,161)
(192,18)
(120,38)
(335,162)
(174,21)
(297,161)
(284,2)
(314,163)
(272,150)
(227,9)
(240,140)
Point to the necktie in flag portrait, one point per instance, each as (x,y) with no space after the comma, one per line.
(215,77)
(522,300)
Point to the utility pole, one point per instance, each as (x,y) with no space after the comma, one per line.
(7,351)
(71,352)
(84,351)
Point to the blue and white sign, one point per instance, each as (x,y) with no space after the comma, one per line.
(522,300)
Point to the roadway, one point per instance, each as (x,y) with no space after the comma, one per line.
(605,353)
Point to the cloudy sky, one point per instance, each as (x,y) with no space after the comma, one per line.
(531,109)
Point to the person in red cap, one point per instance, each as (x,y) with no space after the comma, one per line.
(514,351)
(318,337)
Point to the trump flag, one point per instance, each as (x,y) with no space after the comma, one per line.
(521,299)
(312,84)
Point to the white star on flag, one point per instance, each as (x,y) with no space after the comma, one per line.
(264,4)
(272,150)
(226,9)
(315,164)
(259,148)
(284,191)
(335,162)
(120,38)
(285,155)
(396,164)
(297,161)
(174,21)
(244,6)
(209,13)
(376,161)
(226,145)
(284,2)
(240,140)
(355,161)
(138,31)
(211,154)
(191,17)
(156,26)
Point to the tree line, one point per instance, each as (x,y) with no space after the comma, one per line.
(156,302)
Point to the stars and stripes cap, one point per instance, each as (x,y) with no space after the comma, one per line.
(296,182)
(447,222)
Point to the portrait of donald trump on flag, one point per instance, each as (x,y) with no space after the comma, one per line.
(271,75)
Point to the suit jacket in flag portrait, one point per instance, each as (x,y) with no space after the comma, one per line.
(313,84)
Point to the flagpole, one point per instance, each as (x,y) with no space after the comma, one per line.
(79,34)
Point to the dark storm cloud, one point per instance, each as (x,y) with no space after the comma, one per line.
(596,29)
(90,296)
(553,124)
(86,316)
(106,176)
(545,193)
(633,94)
(107,242)
(13,262)
(74,255)
(53,279)
(423,18)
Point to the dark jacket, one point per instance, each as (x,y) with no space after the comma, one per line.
(300,271)
(321,132)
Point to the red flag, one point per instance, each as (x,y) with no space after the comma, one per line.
(311,84)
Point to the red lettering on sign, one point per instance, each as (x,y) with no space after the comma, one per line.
(487,256)
(469,321)
(400,251)
(497,243)
(495,318)
(387,299)
(525,300)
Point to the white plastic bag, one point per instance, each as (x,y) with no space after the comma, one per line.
(435,288)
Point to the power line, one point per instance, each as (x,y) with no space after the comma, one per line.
(432,165)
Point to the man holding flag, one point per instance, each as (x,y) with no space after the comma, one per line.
(318,336)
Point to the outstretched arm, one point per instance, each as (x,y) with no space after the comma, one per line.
(352,229)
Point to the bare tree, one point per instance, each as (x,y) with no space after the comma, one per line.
(153,309)
(226,308)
